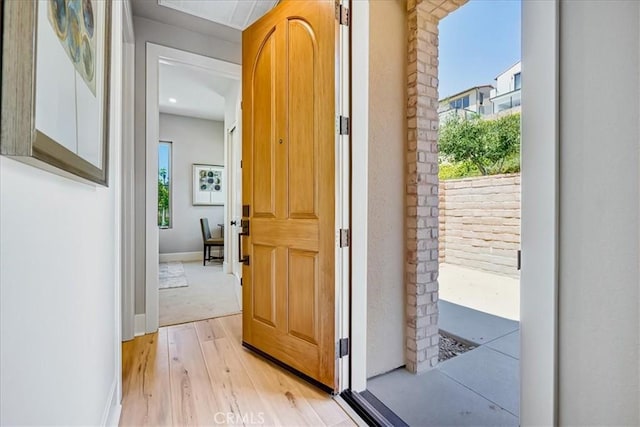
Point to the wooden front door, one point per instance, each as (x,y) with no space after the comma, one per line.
(288,150)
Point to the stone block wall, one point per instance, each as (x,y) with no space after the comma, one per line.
(480,223)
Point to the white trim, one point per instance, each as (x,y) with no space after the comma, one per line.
(227,202)
(359,189)
(182,256)
(540,191)
(235,187)
(154,54)
(342,200)
(127,25)
(140,325)
(111,413)
(127,176)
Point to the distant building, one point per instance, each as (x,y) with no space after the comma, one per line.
(506,96)
(471,101)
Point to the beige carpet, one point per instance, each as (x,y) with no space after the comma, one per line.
(211,293)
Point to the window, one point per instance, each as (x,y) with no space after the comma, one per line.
(516,81)
(460,102)
(164,184)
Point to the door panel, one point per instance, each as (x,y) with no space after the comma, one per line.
(289,185)
(264,284)
(303,137)
(264,90)
(303,271)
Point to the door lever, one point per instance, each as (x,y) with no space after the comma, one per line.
(245,232)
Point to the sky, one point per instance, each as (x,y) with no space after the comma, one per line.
(477,42)
(163,157)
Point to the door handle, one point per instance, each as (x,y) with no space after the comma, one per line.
(245,232)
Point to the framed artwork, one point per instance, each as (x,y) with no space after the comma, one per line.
(209,186)
(55,85)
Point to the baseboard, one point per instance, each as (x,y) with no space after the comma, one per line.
(181,256)
(140,325)
(111,415)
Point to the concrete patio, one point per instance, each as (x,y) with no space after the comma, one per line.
(477,388)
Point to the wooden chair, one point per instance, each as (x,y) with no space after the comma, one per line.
(208,242)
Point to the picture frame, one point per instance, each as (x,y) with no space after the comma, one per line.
(209,185)
(56,61)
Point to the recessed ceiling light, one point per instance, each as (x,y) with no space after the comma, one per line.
(173,100)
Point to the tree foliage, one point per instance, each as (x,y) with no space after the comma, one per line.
(163,197)
(491,146)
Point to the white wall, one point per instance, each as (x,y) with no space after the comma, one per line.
(193,141)
(167,35)
(599,323)
(59,289)
(387,141)
(505,81)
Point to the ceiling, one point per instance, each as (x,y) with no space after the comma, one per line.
(224,19)
(197,92)
(238,14)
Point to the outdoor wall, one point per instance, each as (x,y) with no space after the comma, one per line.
(599,233)
(147,30)
(387,136)
(193,141)
(480,223)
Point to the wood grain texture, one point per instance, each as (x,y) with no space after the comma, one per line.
(145,381)
(289,182)
(199,374)
(18,77)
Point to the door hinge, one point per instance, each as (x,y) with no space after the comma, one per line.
(240,164)
(343,125)
(241,281)
(342,14)
(519,259)
(345,237)
(342,347)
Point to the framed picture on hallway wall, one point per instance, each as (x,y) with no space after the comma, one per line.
(55,85)
(209,186)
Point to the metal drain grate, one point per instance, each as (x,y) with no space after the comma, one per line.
(451,347)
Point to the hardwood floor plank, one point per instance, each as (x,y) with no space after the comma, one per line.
(322,403)
(209,330)
(192,396)
(233,385)
(199,374)
(146,390)
(276,386)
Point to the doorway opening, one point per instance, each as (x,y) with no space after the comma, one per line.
(192,107)
(313,207)
(442,321)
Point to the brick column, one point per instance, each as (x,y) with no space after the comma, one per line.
(421,277)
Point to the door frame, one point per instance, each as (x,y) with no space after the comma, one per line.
(154,53)
(540,215)
(343,256)
(233,158)
(127,175)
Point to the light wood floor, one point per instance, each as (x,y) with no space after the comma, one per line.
(199,374)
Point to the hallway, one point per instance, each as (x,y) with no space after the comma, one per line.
(199,374)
